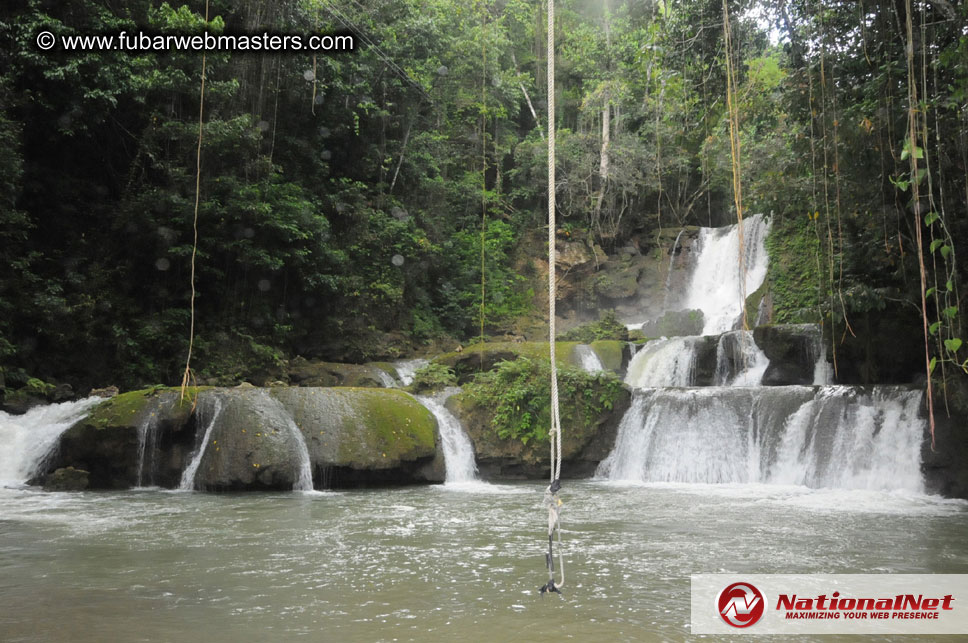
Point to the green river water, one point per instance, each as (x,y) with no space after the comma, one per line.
(435,563)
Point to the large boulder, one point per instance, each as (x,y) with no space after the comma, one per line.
(587,439)
(140,434)
(303,372)
(675,323)
(67,479)
(484,357)
(793,351)
(362,435)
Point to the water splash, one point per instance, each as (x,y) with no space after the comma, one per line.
(28,440)
(716,282)
(589,359)
(457,447)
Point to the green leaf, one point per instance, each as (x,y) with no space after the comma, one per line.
(932,364)
(935,245)
(945,251)
(933,328)
(950,312)
(952,344)
(920,175)
(902,185)
(931,217)
(930,291)
(949,286)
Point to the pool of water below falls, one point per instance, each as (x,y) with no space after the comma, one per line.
(436,563)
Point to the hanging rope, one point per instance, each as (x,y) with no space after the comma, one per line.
(551,498)
(483,172)
(187,375)
(734,148)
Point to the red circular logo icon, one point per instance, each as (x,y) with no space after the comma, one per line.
(740,604)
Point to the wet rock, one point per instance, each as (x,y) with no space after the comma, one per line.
(584,444)
(67,479)
(793,350)
(106,392)
(323,374)
(675,323)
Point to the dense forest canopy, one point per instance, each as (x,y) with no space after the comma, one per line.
(345,197)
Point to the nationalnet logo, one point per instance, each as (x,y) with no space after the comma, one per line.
(830,604)
(740,604)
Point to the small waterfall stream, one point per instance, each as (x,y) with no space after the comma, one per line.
(457,447)
(406,369)
(28,440)
(147,446)
(207,413)
(588,358)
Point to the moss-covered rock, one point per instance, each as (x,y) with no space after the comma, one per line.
(590,416)
(612,353)
(107,442)
(362,435)
(675,323)
(67,479)
(484,357)
(316,373)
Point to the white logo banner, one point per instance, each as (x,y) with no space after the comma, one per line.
(830,603)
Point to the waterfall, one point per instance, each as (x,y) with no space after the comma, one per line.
(29,439)
(672,258)
(831,436)
(457,447)
(588,359)
(209,408)
(715,287)
(385,379)
(739,361)
(147,445)
(304,479)
(406,369)
(663,362)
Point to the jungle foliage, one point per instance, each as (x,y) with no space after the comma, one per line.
(345,198)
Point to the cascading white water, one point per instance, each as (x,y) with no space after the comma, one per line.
(667,303)
(28,440)
(663,362)
(207,414)
(715,287)
(739,361)
(304,478)
(406,369)
(588,358)
(831,436)
(147,443)
(457,447)
(386,379)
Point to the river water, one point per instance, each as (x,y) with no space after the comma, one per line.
(433,563)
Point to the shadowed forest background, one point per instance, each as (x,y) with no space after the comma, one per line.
(345,197)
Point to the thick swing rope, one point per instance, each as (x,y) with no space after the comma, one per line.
(551,493)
